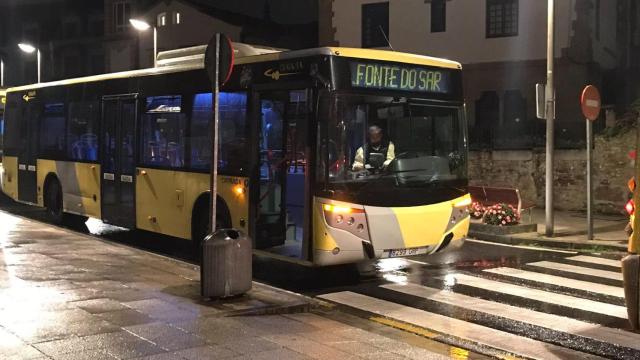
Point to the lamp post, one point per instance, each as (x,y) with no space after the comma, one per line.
(1,72)
(29,49)
(142,25)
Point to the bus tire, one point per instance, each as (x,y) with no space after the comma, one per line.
(53,201)
(200,222)
(54,208)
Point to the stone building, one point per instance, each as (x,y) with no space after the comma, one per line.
(502,46)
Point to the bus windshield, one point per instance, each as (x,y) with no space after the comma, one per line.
(398,141)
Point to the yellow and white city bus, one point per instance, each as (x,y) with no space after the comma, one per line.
(2,102)
(133,149)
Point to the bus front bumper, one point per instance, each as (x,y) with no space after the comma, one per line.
(394,232)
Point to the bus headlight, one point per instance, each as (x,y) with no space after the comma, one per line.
(350,219)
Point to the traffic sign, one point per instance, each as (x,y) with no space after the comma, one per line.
(225,58)
(590,102)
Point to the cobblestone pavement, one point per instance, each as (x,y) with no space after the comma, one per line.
(65,295)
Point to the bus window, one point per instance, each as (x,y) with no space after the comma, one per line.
(12,140)
(82,138)
(52,131)
(232,132)
(163,132)
(1,132)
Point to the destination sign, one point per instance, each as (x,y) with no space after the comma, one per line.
(400,77)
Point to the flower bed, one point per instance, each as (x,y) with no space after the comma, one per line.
(501,215)
(476,210)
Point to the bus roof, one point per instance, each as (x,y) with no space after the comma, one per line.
(370,54)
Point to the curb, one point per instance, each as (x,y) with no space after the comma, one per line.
(548,242)
(296,308)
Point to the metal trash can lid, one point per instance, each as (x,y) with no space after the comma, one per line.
(223,235)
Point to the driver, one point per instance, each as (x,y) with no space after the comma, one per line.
(377,143)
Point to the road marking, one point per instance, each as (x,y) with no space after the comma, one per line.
(483,335)
(454,352)
(549,321)
(559,281)
(521,246)
(596,260)
(578,270)
(543,296)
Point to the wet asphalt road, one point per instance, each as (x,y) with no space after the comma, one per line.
(442,271)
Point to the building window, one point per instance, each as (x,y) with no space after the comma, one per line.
(502,18)
(176,18)
(121,14)
(375,24)
(438,15)
(162,19)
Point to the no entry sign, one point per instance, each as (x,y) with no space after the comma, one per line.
(590,102)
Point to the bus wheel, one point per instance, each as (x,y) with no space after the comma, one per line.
(53,202)
(55,212)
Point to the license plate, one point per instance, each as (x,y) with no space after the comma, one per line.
(407,252)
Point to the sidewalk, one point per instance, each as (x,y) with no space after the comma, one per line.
(570,231)
(65,295)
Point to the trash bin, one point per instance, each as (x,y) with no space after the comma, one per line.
(225,269)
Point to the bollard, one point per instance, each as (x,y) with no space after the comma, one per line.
(631,277)
(226,268)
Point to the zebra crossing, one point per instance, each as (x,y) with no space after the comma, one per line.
(570,307)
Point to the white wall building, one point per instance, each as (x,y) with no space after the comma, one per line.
(502,46)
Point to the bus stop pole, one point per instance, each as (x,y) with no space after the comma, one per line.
(550,112)
(589,183)
(214,136)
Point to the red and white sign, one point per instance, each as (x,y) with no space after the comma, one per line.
(590,102)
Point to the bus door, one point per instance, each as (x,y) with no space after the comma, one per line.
(118,160)
(27,153)
(282,213)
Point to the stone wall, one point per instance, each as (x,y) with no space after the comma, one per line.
(525,170)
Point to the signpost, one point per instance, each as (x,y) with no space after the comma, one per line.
(225,267)
(218,61)
(591,104)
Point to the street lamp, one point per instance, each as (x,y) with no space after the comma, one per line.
(142,25)
(29,49)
